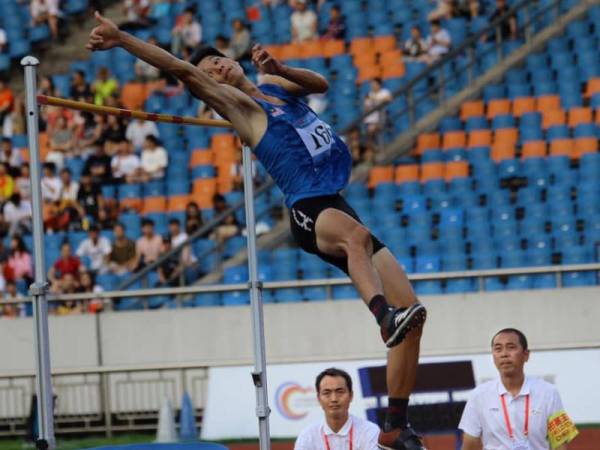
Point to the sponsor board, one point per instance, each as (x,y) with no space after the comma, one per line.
(231,403)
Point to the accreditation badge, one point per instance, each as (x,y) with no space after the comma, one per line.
(561,430)
(520,445)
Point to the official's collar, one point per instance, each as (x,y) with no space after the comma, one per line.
(525,389)
(344,431)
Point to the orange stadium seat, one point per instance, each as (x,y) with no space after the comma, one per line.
(311,49)
(366,59)
(133,95)
(222,141)
(367,73)
(274,50)
(396,70)
(333,47)
(224,185)
(522,105)
(25,154)
(472,108)
(390,57)
(506,135)
(384,43)
(201,158)
(406,173)
(533,149)
(584,145)
(547,103)
(503,150)
(130,203)
(561,147)
(178,202)
(290,51)
(456,169)
(480,138)
(361,45)
(553,117)
(155,204)
(580,115)
(427,141)
(497,107)
(592,87)
(454,139)
(432,171)
(381,174)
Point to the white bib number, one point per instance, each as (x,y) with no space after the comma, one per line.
(318,139)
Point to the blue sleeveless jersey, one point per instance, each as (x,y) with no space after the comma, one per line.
(301,152)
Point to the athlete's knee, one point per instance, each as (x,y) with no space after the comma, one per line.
(359,239)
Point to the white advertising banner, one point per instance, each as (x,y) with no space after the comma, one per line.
(231,403)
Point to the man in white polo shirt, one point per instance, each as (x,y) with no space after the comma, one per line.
(515,412)
(339,430)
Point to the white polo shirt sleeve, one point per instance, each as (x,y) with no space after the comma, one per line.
(470,422)
(305,440)
(369,437)
(555,403)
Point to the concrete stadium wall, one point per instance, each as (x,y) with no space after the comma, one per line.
(323,331)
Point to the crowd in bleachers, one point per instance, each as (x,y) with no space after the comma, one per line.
(119,193)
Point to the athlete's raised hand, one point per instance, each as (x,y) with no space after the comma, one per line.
(104,36)
(265,62)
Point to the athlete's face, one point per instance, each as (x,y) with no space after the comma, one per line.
(222,70)
(509,355)
(334,396)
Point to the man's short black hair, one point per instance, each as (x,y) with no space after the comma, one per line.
(174,221)
(333,372)
(147,221)
(204,52)
(520,335)
(6,139)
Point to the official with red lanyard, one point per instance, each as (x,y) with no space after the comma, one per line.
(339,430)
(515,412)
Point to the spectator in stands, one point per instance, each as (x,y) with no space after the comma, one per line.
(171,267)
(137,12)
(2,279)
(46,11)
(62,142)
(114,133)
(336,28)
(67,263)
(104,86)
(23,182)
(7,183)
(222,44)
(4,229)
(10,155)
(229,227)
(144,71)
(304,22)
(378,95)
(2,40)
(508,27)
(443,10)
(240,40)
(193,218)
(51,184)
(125,165)
(138,130)
(89,198)
(19,261)
(6,100)
(178,236)
(149,244)
(334,393)
(80,89)
(11,310)
(438,42)
(14,121)
(187,34)
(4,253)
(123,257)
(17,214)
(87,284)
(470,9)
(154,159)
(92,134)
(415,47)
(98,166)
(96,248)
(69,285)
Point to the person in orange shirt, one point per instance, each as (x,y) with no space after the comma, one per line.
(7,184)
(6,100)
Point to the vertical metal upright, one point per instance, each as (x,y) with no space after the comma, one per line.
(45,406)
(259,376)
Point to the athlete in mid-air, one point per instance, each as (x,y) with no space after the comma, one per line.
(311,165)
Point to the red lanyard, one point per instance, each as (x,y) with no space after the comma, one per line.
(327,440)
(507,418)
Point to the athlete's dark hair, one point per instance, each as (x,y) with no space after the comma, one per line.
(333,372)
(202,52)
(520,335)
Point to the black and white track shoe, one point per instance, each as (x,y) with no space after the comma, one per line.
(398,322)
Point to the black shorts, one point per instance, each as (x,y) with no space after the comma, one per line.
(303,216)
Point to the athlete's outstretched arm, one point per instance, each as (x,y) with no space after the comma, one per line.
(226,100)
(296,81)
